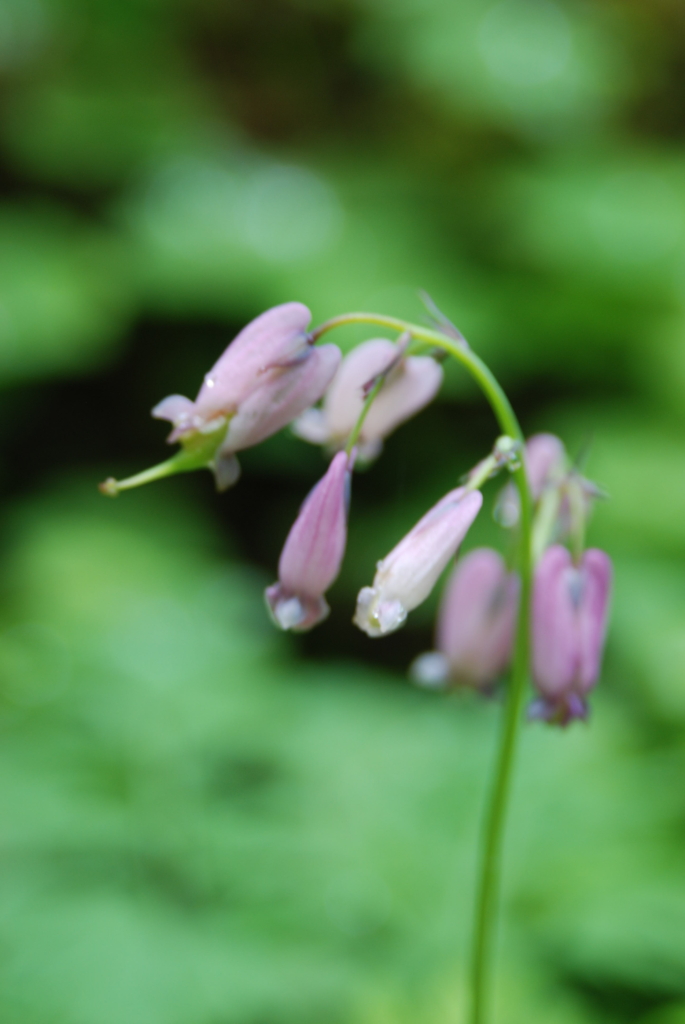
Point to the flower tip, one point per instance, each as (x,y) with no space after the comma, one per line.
(558,712)
(430,670)
(290,612)
(377,617)
(109,487)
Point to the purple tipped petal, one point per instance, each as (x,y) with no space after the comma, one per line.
(313,552)
(407,575)
(281,398)
(570,605)
(477,617)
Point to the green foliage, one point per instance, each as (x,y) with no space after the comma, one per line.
(202,823)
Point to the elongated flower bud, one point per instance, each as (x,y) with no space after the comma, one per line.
(570,605)
(275,403)
(476,623)
(411,384)
(275,340)
(406,576)
(313,552)
(545,466)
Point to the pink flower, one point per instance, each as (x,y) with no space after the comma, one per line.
(570,605)
(411,384)
(406,576)
(476,623)
(313,552)
(272,405)
(266,377)
(273,342)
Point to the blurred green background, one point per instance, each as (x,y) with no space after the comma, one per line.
(204,822)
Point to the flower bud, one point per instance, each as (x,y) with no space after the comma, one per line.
(476,623)
(545,466)
(545,462)
(276,339)
(406,576)
(570,605)
(410,385)
(272,405)
(313,552)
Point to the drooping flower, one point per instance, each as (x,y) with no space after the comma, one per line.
(569,616)
(274,341)
(476,624)
(406,576)
(313,551)
(272,405)
(412,382)
(266,377)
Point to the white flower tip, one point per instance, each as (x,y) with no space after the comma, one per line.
(293,612)
(376,617)
(430,670)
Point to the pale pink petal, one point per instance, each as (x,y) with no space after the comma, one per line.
(275,339)
(477,617)
(545,461)
(174,408)
(281,398)
(414,384)
(345,398)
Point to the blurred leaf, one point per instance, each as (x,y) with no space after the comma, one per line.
(64,294)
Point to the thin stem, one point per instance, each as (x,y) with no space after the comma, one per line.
(488,884)
(197,452)
(368,402)
(495,819)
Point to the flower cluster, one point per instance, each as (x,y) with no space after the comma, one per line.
(272,375)
(475,633)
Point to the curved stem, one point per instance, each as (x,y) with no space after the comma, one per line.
(488,884)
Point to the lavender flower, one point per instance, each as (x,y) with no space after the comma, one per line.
(274,341)
(272,405)
(570,604)
(476,624)
(406,576)
(411,384)
(313,552)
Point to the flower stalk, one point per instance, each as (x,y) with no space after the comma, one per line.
(488,883)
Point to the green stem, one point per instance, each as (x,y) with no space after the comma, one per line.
(488,884)
(197,452)
(368,402)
